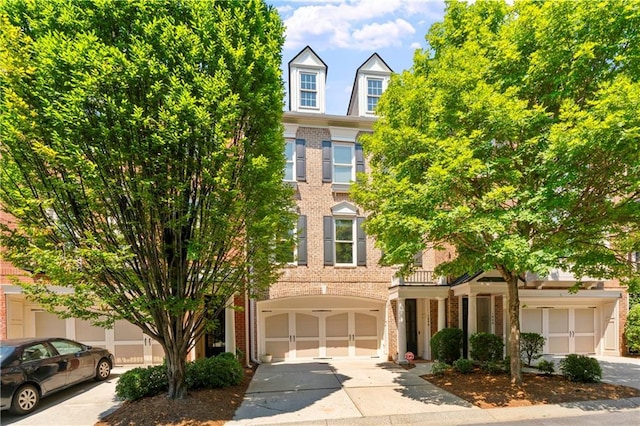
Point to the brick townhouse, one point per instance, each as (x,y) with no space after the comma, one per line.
(333,299)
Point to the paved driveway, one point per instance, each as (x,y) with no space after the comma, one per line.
(346,390)
(382,393)
(80,405)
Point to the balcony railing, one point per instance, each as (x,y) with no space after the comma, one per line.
(419,277)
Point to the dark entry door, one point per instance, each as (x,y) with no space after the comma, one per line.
(214,342)
(412,325)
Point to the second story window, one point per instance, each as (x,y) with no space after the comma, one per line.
(290,158)
(308,90)
(343,163)
(344,241)
(374,91)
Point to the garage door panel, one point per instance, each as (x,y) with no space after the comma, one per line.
(337,325)
(532,321)
(277,326)
(337,348)
(584,344)
(366,325)
(366,348)
(558,320)
(584,322)
(307,349)
(278,350)
(307,326)
(558,345)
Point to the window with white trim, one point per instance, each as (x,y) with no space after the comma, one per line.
(308,90)
(343,163)
(344,241)
(290,158)
(374,91)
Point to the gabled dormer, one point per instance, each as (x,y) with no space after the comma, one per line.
(371,80)
(307,82)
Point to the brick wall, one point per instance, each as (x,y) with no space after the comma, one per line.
(452,311)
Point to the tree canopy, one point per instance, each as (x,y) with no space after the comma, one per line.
(142,156)
(515,138)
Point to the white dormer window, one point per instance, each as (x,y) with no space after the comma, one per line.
(374,91)
(290,159)
(308,90)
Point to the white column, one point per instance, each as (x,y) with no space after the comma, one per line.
(473,316)
(441,313)
(505,325)
(402,331)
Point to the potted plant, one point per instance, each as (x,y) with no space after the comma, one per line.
(266,358)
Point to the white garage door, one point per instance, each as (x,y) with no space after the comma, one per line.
(321,333)
(567,329)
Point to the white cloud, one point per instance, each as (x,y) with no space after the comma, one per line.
(416,45)
(347,24)
(375,36)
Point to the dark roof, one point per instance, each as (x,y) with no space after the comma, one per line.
(466,277)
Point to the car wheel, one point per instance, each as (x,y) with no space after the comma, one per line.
(25,400)
(103,370)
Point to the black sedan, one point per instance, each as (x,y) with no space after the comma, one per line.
(35,367)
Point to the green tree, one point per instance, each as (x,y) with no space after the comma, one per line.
(514,138)
(142,158)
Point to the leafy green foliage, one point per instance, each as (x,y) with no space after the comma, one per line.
(547,367)
(463,365)
(632,329)
(531,345)
(494,367)
(446,344)
(214,372)
(581,368)
(485,347)
(142,157)
(439,368)
(514,139)
(141,382)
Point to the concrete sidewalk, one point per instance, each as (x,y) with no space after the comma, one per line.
(382,393)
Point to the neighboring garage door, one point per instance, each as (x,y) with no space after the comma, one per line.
(321,333)
(567,329)
(126,341)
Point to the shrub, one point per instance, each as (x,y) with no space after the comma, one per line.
(439,368)
(547,367)
(140,382)
(221,371)
(493,367)
(485,347)
(506,364)
(531,345)
(446,345)
(464,366)
(632,329)
(581,368)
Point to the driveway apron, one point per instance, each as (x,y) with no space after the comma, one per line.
(325,390)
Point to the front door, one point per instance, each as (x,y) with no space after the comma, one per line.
(412,325)
(214,342)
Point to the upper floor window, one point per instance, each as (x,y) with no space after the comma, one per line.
(374,91)
(343,163)
(344,241)
(290,158)
(308,90)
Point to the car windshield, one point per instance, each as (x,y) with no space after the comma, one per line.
(5,353)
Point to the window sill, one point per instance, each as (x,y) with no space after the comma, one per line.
(345,266)
(340,187)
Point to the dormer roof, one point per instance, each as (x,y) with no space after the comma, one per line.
(374,67)
(307,61)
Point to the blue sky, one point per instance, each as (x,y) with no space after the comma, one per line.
(344,33)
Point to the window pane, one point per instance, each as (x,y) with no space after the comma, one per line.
(342,174)
(344,230)
(374,87)
(308,99)
(308,81)
(288,151)
(342,154)
(372,103)
(288,171)
(344,252)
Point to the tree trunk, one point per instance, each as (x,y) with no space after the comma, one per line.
(176,371)
(514,329)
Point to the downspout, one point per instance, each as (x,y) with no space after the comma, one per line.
(252,317)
